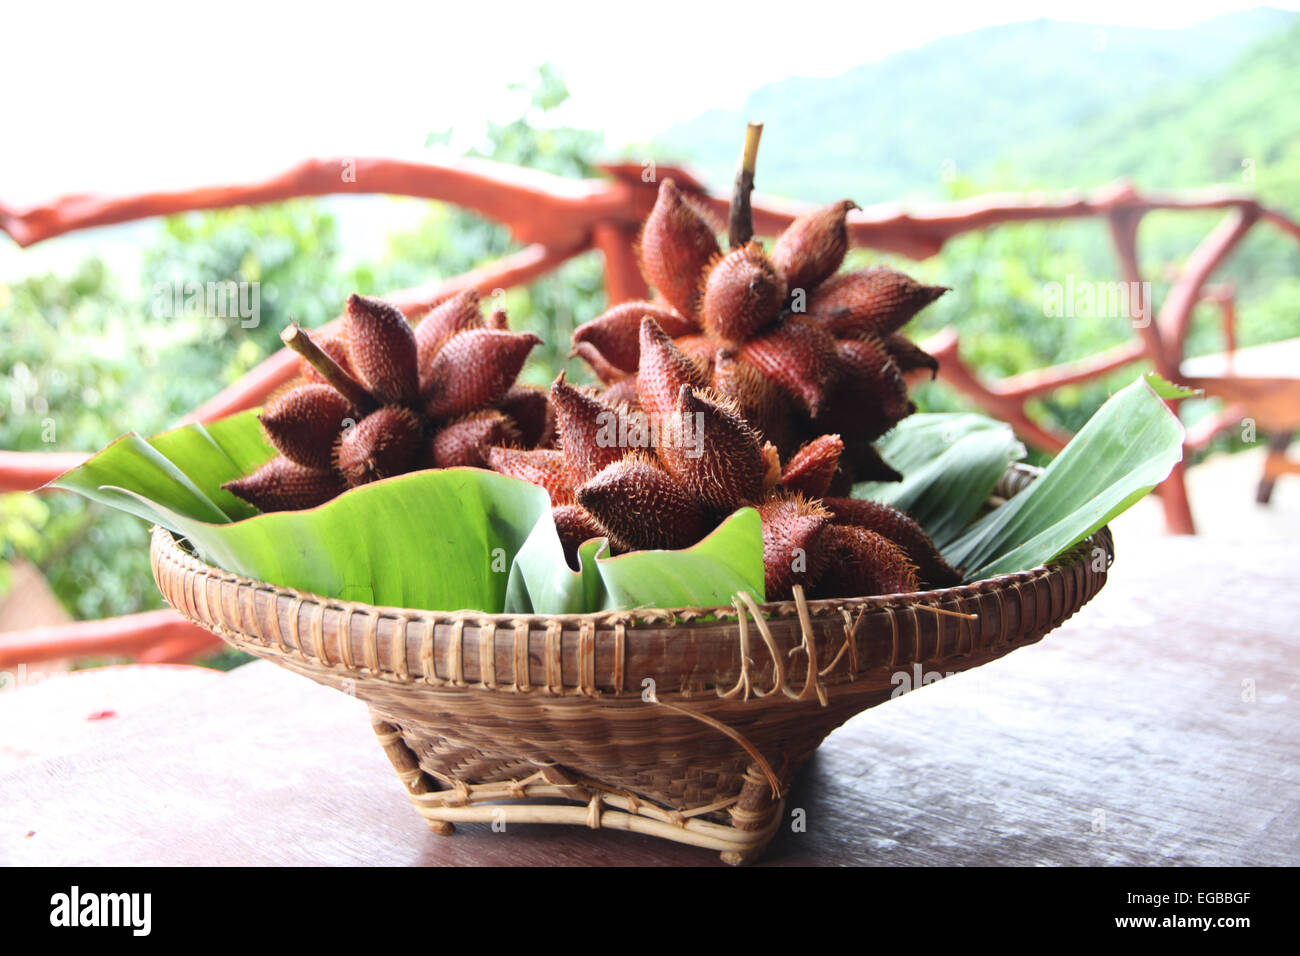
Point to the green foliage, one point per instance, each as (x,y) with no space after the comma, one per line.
(707,574)
(953,463)
(291,250)
(70,378)
(1233,126)
(91,356)
(1236,128)
(447,540)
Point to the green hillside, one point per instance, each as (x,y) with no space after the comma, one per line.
(1238,127)
(890,129)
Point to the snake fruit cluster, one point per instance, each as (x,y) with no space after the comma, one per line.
(800,348)
(664,471)
(401,398)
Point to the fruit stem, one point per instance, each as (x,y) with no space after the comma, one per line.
(297,339)
(740,224)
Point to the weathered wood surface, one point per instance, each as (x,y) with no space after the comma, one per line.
(1129,736)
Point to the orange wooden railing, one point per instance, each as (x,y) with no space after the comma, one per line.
(558,218)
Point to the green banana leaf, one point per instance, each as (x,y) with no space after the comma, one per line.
(461,538)
(1127,448)
(708,574)
(950,464)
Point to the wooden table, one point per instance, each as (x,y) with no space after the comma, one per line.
(1159,726)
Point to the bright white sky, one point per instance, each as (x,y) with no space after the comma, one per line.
(122,97)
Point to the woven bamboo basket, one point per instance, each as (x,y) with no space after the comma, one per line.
(687,724)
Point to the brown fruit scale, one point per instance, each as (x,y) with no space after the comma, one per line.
(383,399)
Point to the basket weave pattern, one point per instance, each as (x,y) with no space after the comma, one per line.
(688,724)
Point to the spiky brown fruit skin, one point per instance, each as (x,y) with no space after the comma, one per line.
(475,369)
(305,422)
(761,366)
(760,402)
(545,467)
(858,563)
(575,527)
(605,370)
(701,349)
(908,356)
(677,244)
(743,293)
(458,314)
(642,507)
(879,300)
(614,336)
(383,444)
(530,409)
(464,442)
(799,356)
(284,485)
(870,396)
(381,347)
(587,430)
(792,526)
(664,370)
(622,393)
(812,468)
(335,346)
(812,247)
(723,467)
(932,570)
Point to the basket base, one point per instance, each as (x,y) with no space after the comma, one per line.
(568,799)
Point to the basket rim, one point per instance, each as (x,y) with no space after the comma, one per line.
(167,546)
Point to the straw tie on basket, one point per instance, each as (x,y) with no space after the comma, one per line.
(850,645)
(744,684)
(813,686)
(812,683)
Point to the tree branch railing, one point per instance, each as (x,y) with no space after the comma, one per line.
(557,218)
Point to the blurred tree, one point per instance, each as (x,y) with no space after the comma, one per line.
(74,374)
(456,240)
